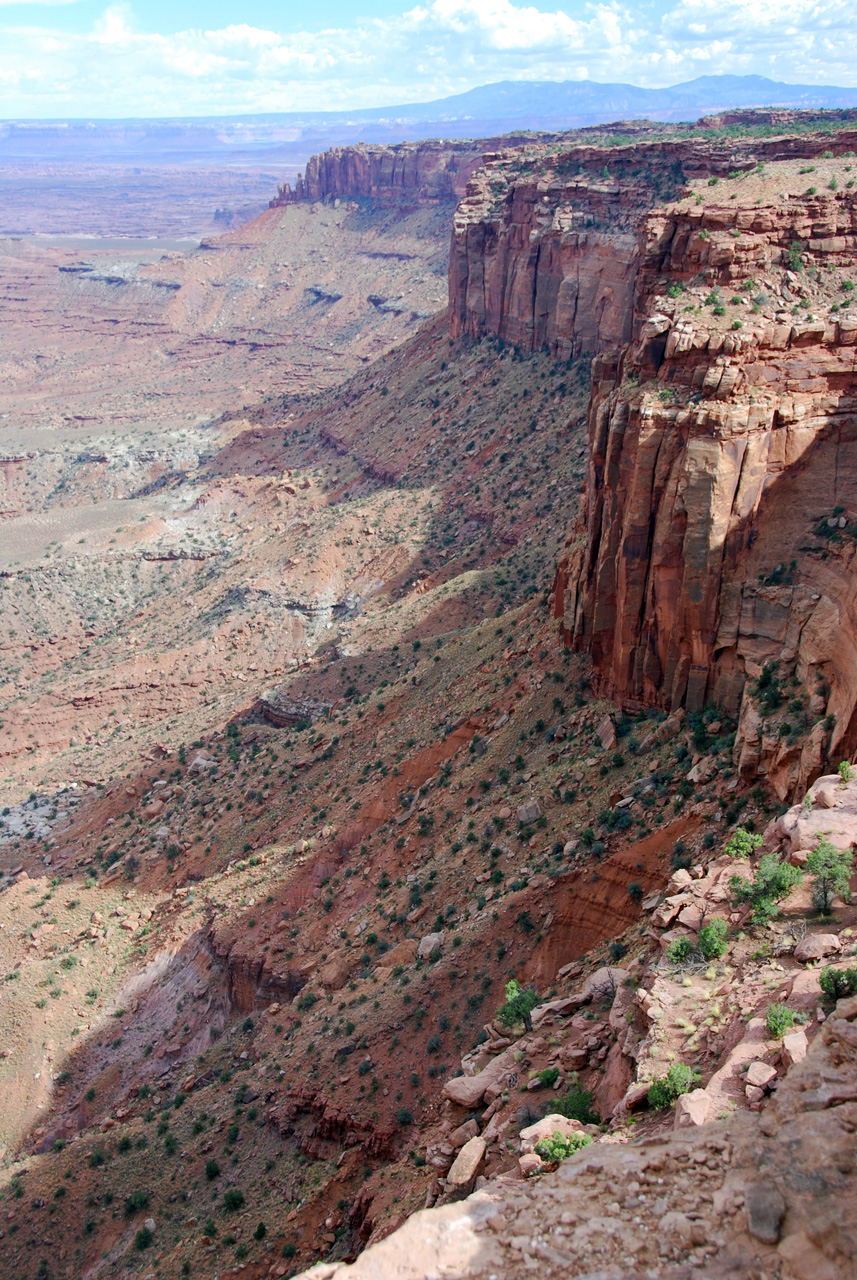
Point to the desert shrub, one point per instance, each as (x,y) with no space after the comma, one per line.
(577,1104)
(774,881)
(143,1239)
(260,1232)
(838,983)
(548,1077)
(830,869)
(712,939)
(212,1170)
(519,1005)
(742,843)
(846,773)
(136,1202)
(233,1200)
(664,1090)
(779,1019)
(557,1147)
(679,950)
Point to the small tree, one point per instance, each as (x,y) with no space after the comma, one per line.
(774,881)
(742,843)
(520,1002)
(838,983)
(846,772)
(830,869)
(665,1090)
(712,939)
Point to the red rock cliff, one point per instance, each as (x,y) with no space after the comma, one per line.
(410,172)
(720,525)
(545,245)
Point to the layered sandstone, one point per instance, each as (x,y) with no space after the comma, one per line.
(545,245)
(412,172)
(719,532)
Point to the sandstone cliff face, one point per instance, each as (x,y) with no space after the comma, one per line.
(422,172)
(721,518)
(545,243)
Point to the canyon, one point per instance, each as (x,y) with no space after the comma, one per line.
(441,582)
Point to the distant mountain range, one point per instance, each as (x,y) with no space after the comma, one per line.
(483,112)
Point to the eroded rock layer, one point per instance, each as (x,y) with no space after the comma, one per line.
(545,243)
(720,524)
(425,171)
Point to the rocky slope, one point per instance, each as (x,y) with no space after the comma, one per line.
(338,781)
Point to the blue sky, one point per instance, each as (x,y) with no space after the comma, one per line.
(151,58)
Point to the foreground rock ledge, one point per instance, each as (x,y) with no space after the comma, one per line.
(754,1195)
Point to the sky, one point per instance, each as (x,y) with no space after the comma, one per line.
(154,58)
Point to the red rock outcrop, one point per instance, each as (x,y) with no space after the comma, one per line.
(545,243)
(720,526)
(412,172)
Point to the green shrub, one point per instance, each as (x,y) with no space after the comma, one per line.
(233,1199)
(742,843)
(557,1148)
(679,950)
(212,1170)
(664,1090)
(136,1202)
(548,1077)
(774,880)
(260,1232)
(712,939)
(779,1019)
(838,983)
(578,1104)
(846,773)
(830,869)
(519,1005)
(143,1239)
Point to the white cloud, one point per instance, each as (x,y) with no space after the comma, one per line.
(427,51)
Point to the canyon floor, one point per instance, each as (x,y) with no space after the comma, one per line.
(298,774)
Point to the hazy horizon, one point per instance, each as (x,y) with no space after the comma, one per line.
(80,58)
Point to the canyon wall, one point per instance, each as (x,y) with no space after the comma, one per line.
(721,518)
(545,245)
(413,172)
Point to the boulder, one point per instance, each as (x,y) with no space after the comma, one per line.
(816,945)
(466,1163)
(693,1108)
(606,731)
(530,1164)
(529,812)
(760,1074)
(468,1091)
(404,952)
(463,1134)
(669,909)
(795,1046)
(431,945)
(333,974)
